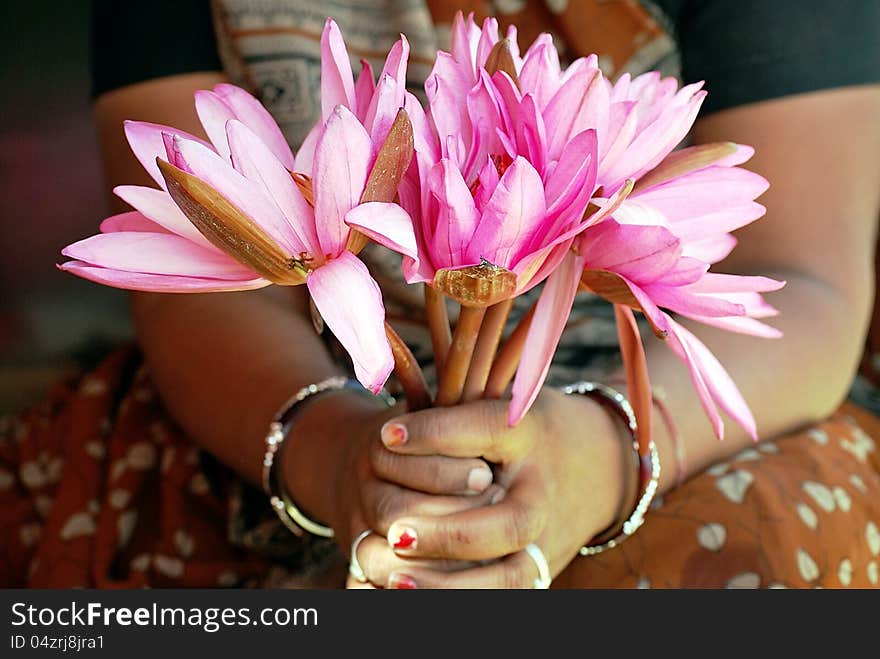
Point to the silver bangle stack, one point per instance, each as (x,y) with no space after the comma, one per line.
(649,478)
(279,430)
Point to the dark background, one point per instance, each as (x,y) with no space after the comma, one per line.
(51,194)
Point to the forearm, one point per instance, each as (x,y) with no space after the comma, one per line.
(787,382)
(224,363)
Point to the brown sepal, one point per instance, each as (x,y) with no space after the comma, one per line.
(501,59)
(391,164)
(229,229)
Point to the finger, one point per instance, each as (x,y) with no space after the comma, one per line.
(383,503)
(378,561)
(472,430)
(478,533)
(434,474)
(517,571)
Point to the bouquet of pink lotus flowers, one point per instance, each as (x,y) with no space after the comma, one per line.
(516,173)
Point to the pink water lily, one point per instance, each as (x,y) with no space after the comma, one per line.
(495,182)
(646,268)
(374,104)
(638,121)
(655,254)
(507,175)
(499,190)
(235,219)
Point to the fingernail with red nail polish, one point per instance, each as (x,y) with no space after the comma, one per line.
(479,479)
(403,538)
(398,581)
(393,434)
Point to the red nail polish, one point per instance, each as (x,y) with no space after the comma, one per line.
(406,540)
(394,434)
(401,582)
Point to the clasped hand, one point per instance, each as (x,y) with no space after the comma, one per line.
(454,495)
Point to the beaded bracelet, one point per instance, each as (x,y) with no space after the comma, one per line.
(288,512)
(649,464)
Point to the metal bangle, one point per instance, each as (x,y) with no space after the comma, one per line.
(650,480)
(288,512)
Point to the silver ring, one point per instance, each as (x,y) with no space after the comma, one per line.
(544,579)
(354,566)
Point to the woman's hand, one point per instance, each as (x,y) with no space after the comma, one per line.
(337,469)
(563,473)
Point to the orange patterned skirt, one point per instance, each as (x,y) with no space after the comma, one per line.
(99,488)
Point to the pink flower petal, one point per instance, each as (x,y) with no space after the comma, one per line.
(704,192)
(252,158)
(485,114)
(214,113)
(681,347)
(574,176)
(396,62)
(305,157)
(350,302)
(640,253)
(680,300)
(635,212)
(424,140)
(387,100)
(531,135)
(386,224)
(714,282)
(249,111)
(718,382)
(581,103)
(622,124)
(739,324)
(540,70)
(146,142)
(710,250)
(155,253)
(337,79)
(754,303)
(551,315)
(139,281)
(742,154)
(710,225)
(457,216)
(512,215)
(448,113)
(364,89)
(131,221)
(388,97)
(340,173)
(686,271)
(158,206)
(658,139)
(487,40)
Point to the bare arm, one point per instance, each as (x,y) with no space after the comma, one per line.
(223,362)
(821,154)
